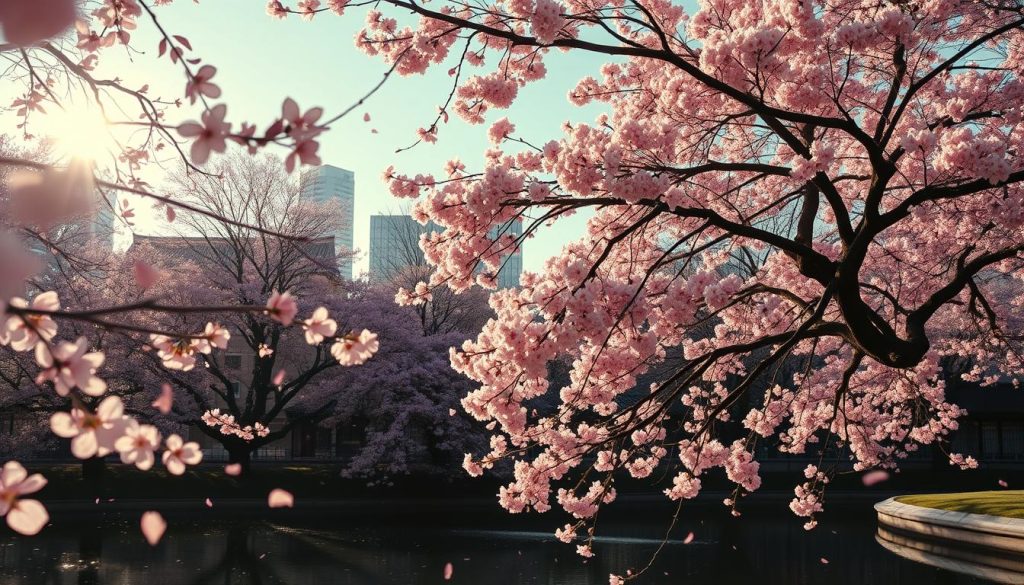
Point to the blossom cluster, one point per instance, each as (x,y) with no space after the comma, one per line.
(228,426)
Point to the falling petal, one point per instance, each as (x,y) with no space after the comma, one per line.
(824,561)
(280,498)
(233,469)
(448,570)
(366,117)
(145,275)
(873,477)
(688,539)
(153,527)
(1002,483)
(165,400)
(279,377)
(451,412)
(209,503)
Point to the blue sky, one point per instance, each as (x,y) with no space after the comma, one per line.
(261,61)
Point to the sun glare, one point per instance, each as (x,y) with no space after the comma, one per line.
(79,132)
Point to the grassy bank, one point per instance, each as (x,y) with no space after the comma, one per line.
(1008,503)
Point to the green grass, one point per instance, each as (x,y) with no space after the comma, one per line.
(1008,503)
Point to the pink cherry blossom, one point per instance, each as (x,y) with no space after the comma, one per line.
(282,307)
(307,8)
(276,9)
(305,152)
(26,22)
(137,445)
(53,196)
(233,469)
(178,454)
(279,498)
(153,527)
(217,335)
(354,349)
(319,326)
(24,332)
(68,366)
(300,126)
(91,433)
(200,84)
(265,350)
(23,516)
(209,135)
(177,354)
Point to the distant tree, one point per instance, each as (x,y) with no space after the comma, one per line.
(405,401)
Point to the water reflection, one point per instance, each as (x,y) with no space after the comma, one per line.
(303,550)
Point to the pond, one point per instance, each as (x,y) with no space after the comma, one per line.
(300,547)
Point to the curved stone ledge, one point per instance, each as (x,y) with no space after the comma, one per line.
(991,547)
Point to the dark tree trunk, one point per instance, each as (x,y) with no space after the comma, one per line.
(94,473)
(241,455)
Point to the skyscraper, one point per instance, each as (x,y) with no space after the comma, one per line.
(394,244)
(330,184)
(508,276)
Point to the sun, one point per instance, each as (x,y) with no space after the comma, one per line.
(79,132)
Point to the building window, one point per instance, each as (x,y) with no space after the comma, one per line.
(236,389)
(233,361)
(990,440)
(1013,440)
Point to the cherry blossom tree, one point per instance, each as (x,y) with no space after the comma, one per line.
(220,262)
(404,403)
(890,131)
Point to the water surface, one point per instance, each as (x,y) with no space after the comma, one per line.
(304,548)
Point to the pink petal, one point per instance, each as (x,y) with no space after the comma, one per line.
(280,498)
(209,503)
(145,275)
(278,378)
(823,560)
(873,477)
(688,539)
(26,22)
(165,400)
(448,570)
(233,469)
(27,517)
(1002,483)
(153,527)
